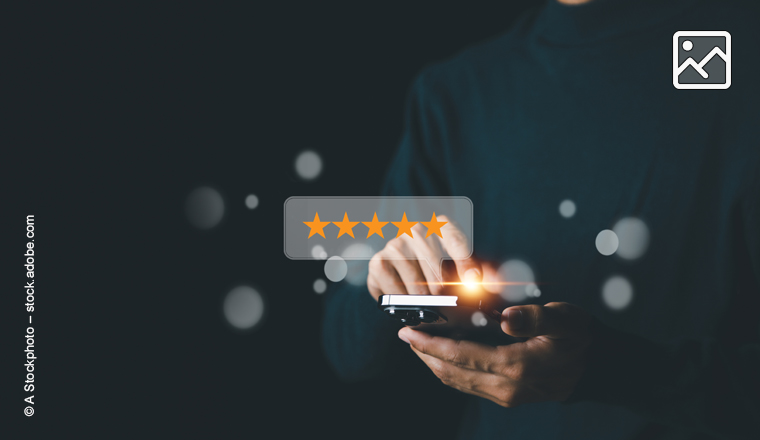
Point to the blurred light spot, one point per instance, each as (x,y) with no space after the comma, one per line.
(606,242)
(204,207)
(320,285)
(567,208)
(491,279)
(617,293)
(358,250)
(318,252)
(335,269)
(530,289)
(634,237)
(308,165)
(515,271)
(357,267)
(243,307)
(479,319)
(251,201)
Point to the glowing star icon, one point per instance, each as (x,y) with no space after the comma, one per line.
(316,226)
(434,226)
(375,227)
(404,227)
(345,226)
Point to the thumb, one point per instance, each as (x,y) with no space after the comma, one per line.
(556,320)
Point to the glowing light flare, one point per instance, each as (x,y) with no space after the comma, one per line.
(471,280)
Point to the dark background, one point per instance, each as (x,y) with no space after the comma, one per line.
(117,113)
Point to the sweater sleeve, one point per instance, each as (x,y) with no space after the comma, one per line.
(357,337)
(711,386)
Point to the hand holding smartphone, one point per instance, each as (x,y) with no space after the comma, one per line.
(411,292)
(449,315)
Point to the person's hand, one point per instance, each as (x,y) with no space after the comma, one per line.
(404,265)
(546,367)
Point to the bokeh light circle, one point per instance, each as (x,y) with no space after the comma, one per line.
(567,208)
(308,165)
(335,269)
(243,307)
(479,319)
(357,256)
(251,201)
(320,286)
(633,235)
(617,293)
(204,207)
(532,290)
(515,271)
(318,252)
(607,242)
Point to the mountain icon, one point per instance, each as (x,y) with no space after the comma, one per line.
(702,60)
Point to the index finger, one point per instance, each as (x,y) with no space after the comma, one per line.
(455,242)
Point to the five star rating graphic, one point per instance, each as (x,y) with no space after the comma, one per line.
(355,227)
(375,227)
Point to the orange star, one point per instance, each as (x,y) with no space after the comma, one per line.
(316,226)
(375,227)
(434,226)
(404,227)
(345,226)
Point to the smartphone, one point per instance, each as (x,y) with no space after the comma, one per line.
(452,316)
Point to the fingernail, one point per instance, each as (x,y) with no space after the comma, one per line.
(472,276)
(515,319)
(402,337)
